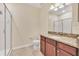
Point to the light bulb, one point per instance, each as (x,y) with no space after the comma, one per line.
(55,9)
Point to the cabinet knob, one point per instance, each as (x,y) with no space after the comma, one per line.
(58,51)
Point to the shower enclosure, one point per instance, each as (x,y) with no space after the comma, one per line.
(5,30)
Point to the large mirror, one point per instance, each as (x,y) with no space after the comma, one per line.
(63,17)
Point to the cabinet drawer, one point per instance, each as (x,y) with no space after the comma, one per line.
(67,48)
(62,53)
(51,41)
(50,50)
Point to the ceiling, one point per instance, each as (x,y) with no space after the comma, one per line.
(38,5)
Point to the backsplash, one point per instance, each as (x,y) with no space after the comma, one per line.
(64,34)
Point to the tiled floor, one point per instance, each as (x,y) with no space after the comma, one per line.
(29,51)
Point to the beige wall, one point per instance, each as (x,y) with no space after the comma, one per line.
(44,19)
(24,23)
(75,24)
(27,23)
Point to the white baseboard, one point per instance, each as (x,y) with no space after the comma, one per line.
(22,46)
(2,52)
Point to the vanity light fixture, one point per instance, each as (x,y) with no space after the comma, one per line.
(57,6)
(61,6)
(55,9)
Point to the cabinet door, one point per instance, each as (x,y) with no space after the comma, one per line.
(67,48)
(62,53)
(50,49)
(42,45)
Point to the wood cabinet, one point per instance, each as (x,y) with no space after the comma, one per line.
(66,48)
(50,47)
(42,45)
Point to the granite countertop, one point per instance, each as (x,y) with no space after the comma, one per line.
(67,40)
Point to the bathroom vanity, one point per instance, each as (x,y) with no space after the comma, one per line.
(54,45)
(64,29)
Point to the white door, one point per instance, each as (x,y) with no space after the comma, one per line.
(2,33)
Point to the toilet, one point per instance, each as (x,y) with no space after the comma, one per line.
(36,43)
